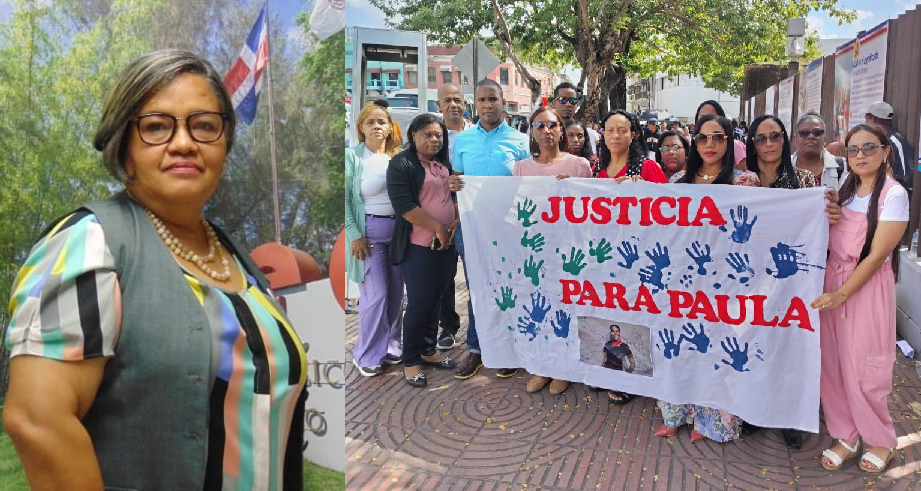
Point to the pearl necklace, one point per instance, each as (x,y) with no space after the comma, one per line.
(180,250)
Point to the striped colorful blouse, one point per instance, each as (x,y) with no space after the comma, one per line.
(258,363)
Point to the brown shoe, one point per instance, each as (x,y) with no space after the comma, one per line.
(537,383)
(469,367)
(558,386)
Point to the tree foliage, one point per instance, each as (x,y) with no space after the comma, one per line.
(607,40)
(56,64)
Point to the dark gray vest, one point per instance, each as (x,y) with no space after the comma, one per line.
(149,421)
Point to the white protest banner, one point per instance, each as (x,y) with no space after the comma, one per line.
(844,60)
(769,100)
(709,286)
(868,75)
(812,93)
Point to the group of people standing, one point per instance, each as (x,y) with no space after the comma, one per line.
(416,237)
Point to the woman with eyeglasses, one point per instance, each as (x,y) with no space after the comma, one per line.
(549,144)
(768,155)
(577,141)
(622,155)
(423,239)
(858,308)
(369,222)
(712,107)
(671,153)
(711,161)
(147,349)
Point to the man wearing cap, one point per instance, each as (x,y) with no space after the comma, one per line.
(652,134)
(880,113)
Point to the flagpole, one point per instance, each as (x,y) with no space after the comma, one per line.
(272,129)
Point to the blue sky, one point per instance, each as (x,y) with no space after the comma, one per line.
(362,13)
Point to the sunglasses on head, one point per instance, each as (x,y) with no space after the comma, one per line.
(568,100)
(549,125)
(868,149)
(805,133)
(701,138)
(775,137)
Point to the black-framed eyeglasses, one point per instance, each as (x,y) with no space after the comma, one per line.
(549,125)
(805,133)
(868,149)
(159,128)
(568,100)
(674,148)
(702,139)
(760,140)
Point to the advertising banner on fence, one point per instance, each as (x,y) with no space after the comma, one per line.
(810,89)
(708,287)
(785,103)
(844,60)
(769,100)
(868,75)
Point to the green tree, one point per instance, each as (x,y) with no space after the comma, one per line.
(608,40)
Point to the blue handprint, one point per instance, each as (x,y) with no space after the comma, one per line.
(739,356)
(630,253)
(701,256)
(700,340)
(671,348)
(739,263)
(659,256)
(539,307)
(653,274)
(526,326)
(536,243)
(525,212)
(787,261)
(743,229)
(561,326)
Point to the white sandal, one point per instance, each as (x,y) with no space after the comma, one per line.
(838,460)
(879,465)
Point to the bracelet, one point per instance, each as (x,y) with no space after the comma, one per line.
(842,294)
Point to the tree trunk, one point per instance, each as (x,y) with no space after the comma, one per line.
(617,90)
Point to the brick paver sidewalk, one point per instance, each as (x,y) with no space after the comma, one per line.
(487,433)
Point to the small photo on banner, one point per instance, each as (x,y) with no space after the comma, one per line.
(615,345)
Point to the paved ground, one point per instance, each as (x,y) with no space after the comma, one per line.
(487,433)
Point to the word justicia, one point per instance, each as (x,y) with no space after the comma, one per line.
(664,210)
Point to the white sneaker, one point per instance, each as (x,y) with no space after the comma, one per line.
(368,371)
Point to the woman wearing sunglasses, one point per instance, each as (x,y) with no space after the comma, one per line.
(623,154)
(671,153)
(768,155)
(712,107)
(857,310)
(710,161)
(549,146)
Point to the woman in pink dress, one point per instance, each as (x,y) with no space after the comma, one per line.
(550,157)
(858,307)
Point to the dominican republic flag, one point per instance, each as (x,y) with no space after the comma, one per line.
(244,79)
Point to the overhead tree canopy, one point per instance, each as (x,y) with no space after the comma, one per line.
(608,40)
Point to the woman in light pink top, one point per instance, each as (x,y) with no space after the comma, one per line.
(550,158)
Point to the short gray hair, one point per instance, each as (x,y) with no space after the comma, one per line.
(813,116)
(134,86)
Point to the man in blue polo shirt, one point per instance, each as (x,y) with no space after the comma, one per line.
(489,149)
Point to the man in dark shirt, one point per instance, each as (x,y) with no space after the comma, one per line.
(903,169)
(652,134)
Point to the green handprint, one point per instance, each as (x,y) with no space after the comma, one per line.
(601,252)
(525,212)
(574,265)
(536,243)
(532,270)
(507,301)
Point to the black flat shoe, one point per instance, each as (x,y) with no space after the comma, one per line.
(446,363)
(748,428)
(793,438)
(418,381)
